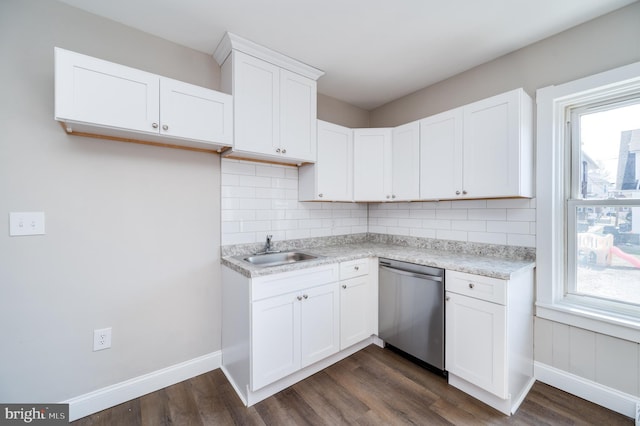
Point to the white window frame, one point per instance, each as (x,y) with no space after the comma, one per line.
(552,184)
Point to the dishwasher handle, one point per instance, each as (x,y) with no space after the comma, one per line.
(412,274)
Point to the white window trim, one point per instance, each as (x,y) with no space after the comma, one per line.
(551,152)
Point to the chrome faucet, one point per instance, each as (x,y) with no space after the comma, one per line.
(267,244)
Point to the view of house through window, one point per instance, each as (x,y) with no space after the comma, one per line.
(604,203)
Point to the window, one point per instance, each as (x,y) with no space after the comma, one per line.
(588,202)
(603,239)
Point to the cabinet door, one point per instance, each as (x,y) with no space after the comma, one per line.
(476,342)
(335,162)
(372,164)
(440,156)
(355,311)
(275,328)
(94,91)
(256,93)
(491,146)
(406,162)
(298,107)
(319,323)
(193,112)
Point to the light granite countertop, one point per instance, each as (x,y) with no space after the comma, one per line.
(454,260)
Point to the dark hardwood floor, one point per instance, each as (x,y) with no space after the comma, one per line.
(372,387)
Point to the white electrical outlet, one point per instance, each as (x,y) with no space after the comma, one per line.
(26,223)
(101,339)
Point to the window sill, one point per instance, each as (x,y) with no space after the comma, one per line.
(599,321)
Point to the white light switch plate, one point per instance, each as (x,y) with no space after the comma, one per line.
(26,223)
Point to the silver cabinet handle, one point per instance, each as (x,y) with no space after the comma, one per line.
(344,286)
(320,195)
(165,127)
(305,296)
(464,192)
(356,268)
(457,192)
(471,285)
(393,196)
(278,150)
(299,297)
(284,151)
(388,196)
(154,125)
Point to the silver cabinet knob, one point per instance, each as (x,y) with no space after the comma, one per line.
(457,192)
(464,192)
(320,195)
(165,127)
(471,285)
(154,125)
(388,196)
(304,296)
(393,196)
(284,151)
(278,150)
(344,286)
(299,297)
(357,268)
(447,298)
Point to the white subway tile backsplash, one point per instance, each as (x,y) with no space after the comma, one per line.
(422,233)
(237,167)
(444,234)
(469,225)
(508,227)
(488,237)
(521,240)
(469,204)
(525,215)
(488,214)
(254,181)
(270,171)
(453,214)
(260,199)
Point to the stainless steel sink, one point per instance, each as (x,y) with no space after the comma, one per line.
(275,259)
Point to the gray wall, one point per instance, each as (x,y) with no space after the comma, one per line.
(338,112)
(133,231)
(604,43)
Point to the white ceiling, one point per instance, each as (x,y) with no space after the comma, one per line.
(373,51)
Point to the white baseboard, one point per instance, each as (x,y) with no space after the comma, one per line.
(610,398)
(118,393)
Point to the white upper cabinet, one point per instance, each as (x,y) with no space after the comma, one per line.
(256,85)
(372,164)
(98,97)
(498,149)
(405,168)
(275,102)
(481,150)
(331,177)
(441,155)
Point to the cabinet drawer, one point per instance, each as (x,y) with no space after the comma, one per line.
(476,286)
(354,268)
(287,282)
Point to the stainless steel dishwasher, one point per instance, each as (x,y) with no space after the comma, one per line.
(411,310)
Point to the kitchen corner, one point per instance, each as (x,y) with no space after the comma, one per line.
(284,323)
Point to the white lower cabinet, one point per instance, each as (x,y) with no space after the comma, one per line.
(292,331)
(279,328)
(489,337)
(358,302)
